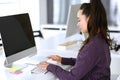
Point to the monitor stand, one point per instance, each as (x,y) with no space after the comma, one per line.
(7,65)
(11,65)
(31,60)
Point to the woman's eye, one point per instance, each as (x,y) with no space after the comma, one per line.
(78,20)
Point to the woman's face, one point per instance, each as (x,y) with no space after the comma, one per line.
(82,22)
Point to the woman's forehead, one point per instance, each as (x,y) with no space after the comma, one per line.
(80,14)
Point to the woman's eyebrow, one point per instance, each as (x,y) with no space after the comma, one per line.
(77,17)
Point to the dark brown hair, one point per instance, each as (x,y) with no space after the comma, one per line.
(97,22)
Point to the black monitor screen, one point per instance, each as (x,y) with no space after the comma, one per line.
(16,32)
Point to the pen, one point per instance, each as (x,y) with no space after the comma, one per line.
(46,72)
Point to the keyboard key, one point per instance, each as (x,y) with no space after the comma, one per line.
(38,70)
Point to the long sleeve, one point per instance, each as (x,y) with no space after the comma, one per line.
(68,61)
(84,64)
(92,63)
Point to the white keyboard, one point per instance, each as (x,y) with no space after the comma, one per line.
(38,70)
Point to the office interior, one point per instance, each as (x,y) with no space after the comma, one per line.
(49,21)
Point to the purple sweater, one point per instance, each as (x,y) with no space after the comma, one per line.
(92,63)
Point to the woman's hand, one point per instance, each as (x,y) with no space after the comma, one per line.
(43,65)
(55,58)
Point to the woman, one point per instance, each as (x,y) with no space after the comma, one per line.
(93,60)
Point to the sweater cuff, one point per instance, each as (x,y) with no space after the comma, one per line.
(51,67)
(63,60)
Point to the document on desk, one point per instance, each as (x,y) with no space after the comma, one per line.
(68,43)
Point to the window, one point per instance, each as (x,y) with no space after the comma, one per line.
(57,11)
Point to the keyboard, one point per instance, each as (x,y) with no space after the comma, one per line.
(38,70)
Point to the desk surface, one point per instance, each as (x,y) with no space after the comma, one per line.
(53,43)
(26,72)
(50,47)
(45,47)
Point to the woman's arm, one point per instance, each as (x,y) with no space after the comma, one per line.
(63,60)
(68,61)
(85,61)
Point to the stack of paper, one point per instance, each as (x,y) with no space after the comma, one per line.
(15,70)
(66,44)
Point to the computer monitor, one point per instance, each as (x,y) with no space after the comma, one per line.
(72,20)
(17,37)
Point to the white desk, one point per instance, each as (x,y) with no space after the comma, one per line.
(45,47)
(26,72)
(50,47)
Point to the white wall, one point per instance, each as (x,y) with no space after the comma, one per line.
(32,7)
(43,11)
(10,7)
